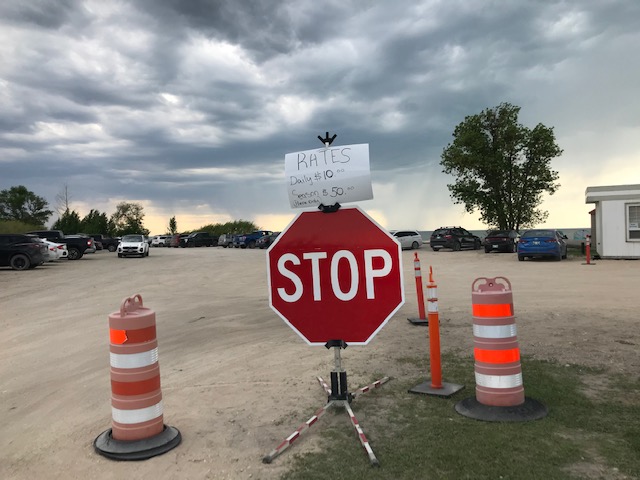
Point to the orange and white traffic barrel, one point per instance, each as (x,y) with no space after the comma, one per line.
(498,372)
(138,429)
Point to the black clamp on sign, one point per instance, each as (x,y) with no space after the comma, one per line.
(326,141)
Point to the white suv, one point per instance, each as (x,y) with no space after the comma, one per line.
(408,238)
(133,245)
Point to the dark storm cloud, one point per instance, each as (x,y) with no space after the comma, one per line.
(203,98)
(39,13)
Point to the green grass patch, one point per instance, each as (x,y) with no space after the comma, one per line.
(592,431)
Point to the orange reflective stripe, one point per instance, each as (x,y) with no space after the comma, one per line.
(497,356)
(493,310)
(117,337)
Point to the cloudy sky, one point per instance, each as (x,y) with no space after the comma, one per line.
(189,107)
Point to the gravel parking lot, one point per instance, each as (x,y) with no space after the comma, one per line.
(235,378)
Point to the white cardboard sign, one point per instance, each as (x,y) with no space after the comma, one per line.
(328,175)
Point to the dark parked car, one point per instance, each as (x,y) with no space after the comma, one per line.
(248,240)
(21,252)
(108,243)
(455,238)
(264,242)
(201,239)
(76,245)
(544,242)
(501,241)
(177,240)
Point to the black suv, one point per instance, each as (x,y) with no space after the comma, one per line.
(21,252)
(201,239)
(455,238)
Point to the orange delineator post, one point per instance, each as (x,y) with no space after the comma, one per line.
(434,332)
(588,251)
(422,317)
(436,386)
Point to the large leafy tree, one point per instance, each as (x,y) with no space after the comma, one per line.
(128,219)
(19,203)
(96,222)
(502,168)
(69,222)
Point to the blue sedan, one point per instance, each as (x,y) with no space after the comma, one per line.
(542,243)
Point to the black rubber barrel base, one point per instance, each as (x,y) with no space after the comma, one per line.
(419,321)
(529,410)
(447,390)
(114,449)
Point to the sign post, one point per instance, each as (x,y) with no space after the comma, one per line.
(335,275)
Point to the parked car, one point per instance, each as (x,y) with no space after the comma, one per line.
(235,240)
(409,239)
(21,252)
(133,245)
(76,246)
(201,239)
(248,240)
(91,244)
(265,241)
(177,240)
(55,251)
(455,238)
(544,242)
(160,241)
(501,241)
(225,240)
(108,243)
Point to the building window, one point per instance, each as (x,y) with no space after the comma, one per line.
(633,222)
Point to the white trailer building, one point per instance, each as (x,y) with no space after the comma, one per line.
(615,220)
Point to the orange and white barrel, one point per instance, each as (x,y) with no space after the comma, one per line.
(498,371)
(136,396)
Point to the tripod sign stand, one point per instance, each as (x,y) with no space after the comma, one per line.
(338,396)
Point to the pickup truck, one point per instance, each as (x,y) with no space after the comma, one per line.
(109,243)
(248,240)
(76,246)
(201,239)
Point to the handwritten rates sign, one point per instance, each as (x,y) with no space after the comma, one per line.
(328,175)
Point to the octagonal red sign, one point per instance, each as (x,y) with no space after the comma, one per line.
(335,276)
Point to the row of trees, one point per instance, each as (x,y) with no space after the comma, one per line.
(127,218)
(23,210)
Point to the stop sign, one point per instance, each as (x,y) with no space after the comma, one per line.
(335,276)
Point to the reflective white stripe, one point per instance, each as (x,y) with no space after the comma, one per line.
(416,267)
(432,307)
(495,331)
(498,381)
(432,292)
(130,417)
(134,360)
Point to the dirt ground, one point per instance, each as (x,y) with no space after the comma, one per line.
(236,380)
